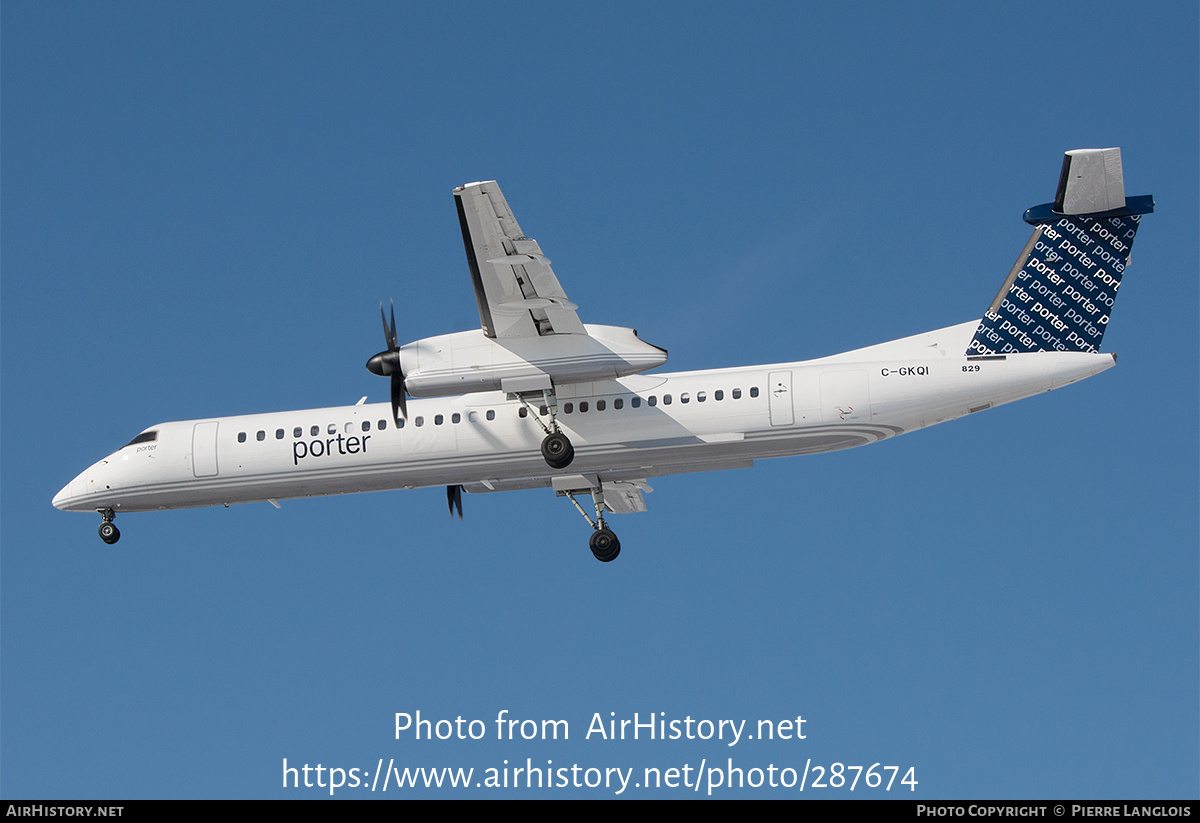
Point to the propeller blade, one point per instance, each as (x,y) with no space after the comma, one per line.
(387,364)
(399,408)
(454,499)
(389,333)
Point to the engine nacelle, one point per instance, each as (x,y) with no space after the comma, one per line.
(469,361)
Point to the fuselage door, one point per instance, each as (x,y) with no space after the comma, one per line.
(204,449)
(779,385)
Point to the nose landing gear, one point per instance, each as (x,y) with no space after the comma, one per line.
(108,532)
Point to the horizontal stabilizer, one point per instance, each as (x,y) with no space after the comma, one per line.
(1091,180)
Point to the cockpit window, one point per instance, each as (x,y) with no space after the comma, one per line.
(144,437)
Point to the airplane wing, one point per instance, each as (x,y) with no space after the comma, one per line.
(620,496)
(515,288)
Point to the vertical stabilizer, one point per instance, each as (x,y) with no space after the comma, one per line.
(1061,290)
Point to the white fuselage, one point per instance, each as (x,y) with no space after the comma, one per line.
(633,428)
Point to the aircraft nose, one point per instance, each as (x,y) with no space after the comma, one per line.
(72,497)
(68,495)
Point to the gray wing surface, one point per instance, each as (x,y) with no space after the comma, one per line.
(515,288)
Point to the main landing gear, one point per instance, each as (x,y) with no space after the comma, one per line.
(108,532)
(557,450)
(558,453)
(604,544)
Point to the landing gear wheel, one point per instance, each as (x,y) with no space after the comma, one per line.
(605,545)
(109,533)
(557,450)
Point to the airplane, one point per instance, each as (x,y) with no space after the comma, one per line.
(535,398)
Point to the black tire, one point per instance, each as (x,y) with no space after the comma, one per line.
(109,533)
(566,458)
(557,451)
(605,545)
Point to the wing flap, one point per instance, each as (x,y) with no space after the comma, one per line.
(625,497)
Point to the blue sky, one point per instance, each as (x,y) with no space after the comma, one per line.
(204,204)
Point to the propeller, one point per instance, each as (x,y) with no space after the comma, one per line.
(454,499)
(387,364)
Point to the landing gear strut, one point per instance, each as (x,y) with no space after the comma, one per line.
(603,543)
(108,532)
(557,450)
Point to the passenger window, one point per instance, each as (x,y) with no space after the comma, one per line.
(456,418)
(331,428)
(420,421)
(241,437)
(666,399)
(684,398)
(381,425)
(583,406)
(314,431)
(491,415)
(366,425)
(754,391)
(718,395)
(652,400)
(348,428)
(298,432)
(599,405)
(399,424)
(737,394)
(438,420)
(701,397)
(636,402)
(279,434)
(522,412)
(261,436)
(544,410)
(568,408)
(619,404)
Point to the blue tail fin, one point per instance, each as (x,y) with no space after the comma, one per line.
(1061,290)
